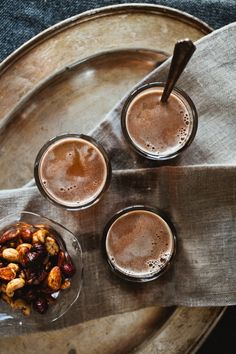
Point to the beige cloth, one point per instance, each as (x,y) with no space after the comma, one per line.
(210,80)
(199,195)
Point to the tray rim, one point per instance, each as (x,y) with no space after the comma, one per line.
(55,75)
(101,12)
(44,84)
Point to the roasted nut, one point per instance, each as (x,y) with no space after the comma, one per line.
(39,277)
(54,278)
(32,259)
(23,249)
(20,304)
(3,288)
(7,273)
(14,266)
(51,246)
(26,233)
(11,255)
(13,285)
(24,245)
(68,269)
(39,236)
(22,274)
(39,248)
(42,267)
(12,244)
(66,285)
(41,305)
(9,235)
(61,258)
(41,226)
(7,299)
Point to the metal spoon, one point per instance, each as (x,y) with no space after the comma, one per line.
(183,51)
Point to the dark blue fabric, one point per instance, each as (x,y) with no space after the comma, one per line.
(22,19)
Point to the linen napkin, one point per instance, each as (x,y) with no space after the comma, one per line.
(201,204)
(210,80)
(199,195)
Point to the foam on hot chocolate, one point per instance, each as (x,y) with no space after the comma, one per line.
(73,171)
(159,128)
(139,243)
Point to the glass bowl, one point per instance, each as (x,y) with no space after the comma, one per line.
(66,298)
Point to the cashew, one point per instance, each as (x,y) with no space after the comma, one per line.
(20,304)
(51,246)
(24,245)
(13,285)
(39,236)
(11,255)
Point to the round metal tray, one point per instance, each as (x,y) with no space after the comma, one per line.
(46,89)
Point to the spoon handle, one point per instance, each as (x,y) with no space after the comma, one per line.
(183,51)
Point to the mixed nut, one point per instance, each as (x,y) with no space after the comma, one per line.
(34,267)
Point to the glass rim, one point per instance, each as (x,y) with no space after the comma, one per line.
(149,155)
(124,211)
(76,136)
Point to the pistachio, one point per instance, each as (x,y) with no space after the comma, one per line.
(54,278)
(11,255)
(13,285)
(23,249)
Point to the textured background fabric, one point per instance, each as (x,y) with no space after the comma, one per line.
(23,19)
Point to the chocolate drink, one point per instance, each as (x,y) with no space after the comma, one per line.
(159,129)
(72,172)
(139,244)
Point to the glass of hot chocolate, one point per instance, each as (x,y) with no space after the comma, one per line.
(156,130)
(72,171)
(139,243)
